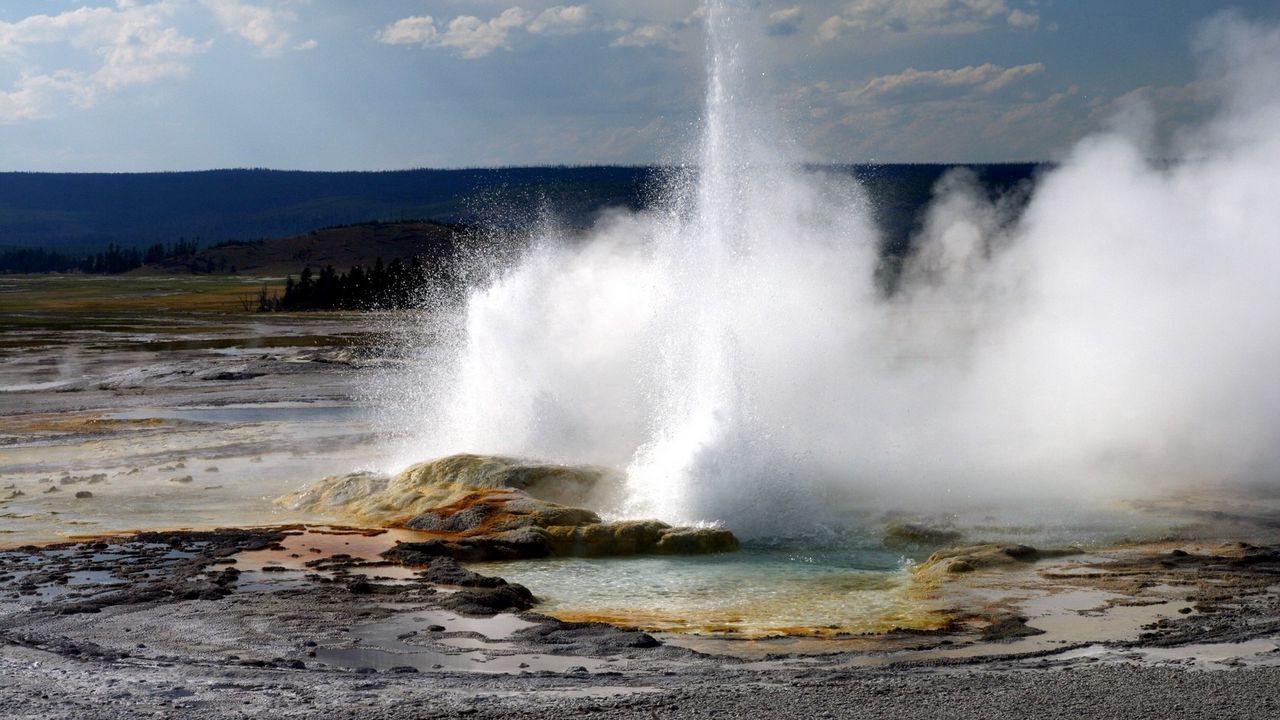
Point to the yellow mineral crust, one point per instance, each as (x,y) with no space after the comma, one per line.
(464,500)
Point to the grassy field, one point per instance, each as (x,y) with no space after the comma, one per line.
(98,294)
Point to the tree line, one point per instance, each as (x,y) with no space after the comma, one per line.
(113,260)
(394,285)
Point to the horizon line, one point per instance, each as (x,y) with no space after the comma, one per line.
(493,168)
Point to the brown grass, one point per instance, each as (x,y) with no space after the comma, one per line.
(132,294)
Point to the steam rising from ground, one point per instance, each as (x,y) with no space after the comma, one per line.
(733,354)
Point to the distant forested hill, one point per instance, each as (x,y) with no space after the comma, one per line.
(85,212)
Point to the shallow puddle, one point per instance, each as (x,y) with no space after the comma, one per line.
(322,542)
(404,641)
(1214,656)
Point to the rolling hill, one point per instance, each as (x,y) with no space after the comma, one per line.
(342,247)
(84,212)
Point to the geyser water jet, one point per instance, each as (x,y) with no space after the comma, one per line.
(731,352)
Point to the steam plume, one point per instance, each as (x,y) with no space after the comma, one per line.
(730,350)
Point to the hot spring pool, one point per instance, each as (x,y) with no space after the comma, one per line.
(759,591)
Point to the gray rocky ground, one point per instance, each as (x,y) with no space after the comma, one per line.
(254,623)
(45,685)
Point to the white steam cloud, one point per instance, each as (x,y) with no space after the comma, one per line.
(732,352)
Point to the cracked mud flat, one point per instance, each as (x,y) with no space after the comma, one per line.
(117,423)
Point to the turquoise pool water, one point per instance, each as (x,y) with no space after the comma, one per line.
(761,590)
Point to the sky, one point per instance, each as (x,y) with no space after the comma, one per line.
(148,85)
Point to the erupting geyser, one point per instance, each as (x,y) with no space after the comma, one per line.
(732,353)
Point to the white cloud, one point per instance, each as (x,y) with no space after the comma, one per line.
(416,30)
(475,38)
(647,36)
(264,25)
(1009,76)
(952,115)
(932,17)
(156,55)
(831,28)
(959,125)
(131,44)
(1024,20)
(784,22)
(1038,110)
(985,78)
(32,94)
(469,35)
(648,33)
(560,20)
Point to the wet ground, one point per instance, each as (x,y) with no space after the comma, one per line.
(118,419)
(310,621)
(121,419)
